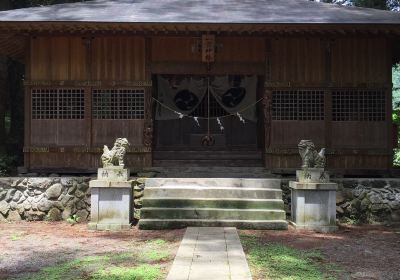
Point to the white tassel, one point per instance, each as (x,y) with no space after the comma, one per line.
(196,119)
(220,124)
(240,117)
(180,115)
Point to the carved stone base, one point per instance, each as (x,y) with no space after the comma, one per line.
(111,205)
(113,173)
(312,175)
(314,206)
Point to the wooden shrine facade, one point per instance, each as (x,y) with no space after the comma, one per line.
(336,92)
(88,83)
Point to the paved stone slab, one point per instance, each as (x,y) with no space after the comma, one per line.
(210,253)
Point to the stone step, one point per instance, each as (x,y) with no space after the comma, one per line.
(208,162)
(209,172)
(203,155)
(214,182)
(232,203)
(240,224)
(212,213)
(211,192)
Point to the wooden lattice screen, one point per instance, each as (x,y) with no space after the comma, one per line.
(304,105)
(358,105)
(58,103)
(126,104)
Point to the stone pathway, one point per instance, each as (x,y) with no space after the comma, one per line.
(209,253)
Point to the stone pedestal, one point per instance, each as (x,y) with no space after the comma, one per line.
(313,201)
(111,200)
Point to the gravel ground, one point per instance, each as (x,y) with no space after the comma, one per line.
(26,247)
(364,252)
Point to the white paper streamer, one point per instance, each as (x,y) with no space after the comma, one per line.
(220,124)
(179,114)
(240,117)
(196,119)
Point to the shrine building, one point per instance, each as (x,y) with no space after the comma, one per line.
(205,83)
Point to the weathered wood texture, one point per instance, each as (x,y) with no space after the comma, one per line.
(339,64)
(69,59)
(286,63)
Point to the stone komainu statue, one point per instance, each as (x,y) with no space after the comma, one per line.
(310,157)
(115,156)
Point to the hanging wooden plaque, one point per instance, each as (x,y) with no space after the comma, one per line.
(208,48)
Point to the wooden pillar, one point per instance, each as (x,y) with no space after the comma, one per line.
(148,130)
(27,105)
(3,98)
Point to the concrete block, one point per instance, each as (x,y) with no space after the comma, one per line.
(314,207)
(312,175)
(111,208)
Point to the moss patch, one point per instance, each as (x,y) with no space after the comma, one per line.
(269,260)
(145,261)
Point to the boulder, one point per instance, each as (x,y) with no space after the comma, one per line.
(395,204)
(32,215)
(10,194)
(68,211)
(4,207)
(79,194)
(339,210)
(82,214)
(2,219)
(71,189)
(3,194)
(54,191)
(83,187)
(14,216)
(17,196)
(53,215)
(44,205)
(339,197)
(13,205)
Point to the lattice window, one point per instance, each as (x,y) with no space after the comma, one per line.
(289,105)
(116,104)
(59,103)
(358,105)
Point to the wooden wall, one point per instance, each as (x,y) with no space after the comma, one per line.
(339,64)
(86,63)
(285,63)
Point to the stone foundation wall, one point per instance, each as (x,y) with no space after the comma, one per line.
(372,201)
(50,199)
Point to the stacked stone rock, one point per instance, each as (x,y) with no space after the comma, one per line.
(138,191)
(369,201)
(44,198)
(362,200)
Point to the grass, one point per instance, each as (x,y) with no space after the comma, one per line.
(142,263)
(277,261)
(17,236)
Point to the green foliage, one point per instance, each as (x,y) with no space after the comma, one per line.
(157,242)
(74,219)
(136,265)
(277,261)
(143,272)
(7,164)
(155,255)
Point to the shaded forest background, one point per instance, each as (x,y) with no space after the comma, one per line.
(12,92)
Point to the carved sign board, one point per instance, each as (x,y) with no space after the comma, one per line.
(208,48)
(114,173)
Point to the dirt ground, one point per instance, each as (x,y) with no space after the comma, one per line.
(26,247)
(364,252)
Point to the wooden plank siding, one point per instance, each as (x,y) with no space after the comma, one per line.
(285,63)
(72,59)
(348,63)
